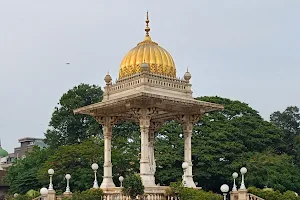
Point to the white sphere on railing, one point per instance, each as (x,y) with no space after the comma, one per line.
(121,178)
(44,191)
(68,176)
(235,175)
(95,166)
(50,171)
(243,170)
(224,188)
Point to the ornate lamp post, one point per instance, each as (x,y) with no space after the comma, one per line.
(44,192)
(234,176)
(68,177)
(50,172)
(224,189)
(95,168)
(185,165)
(121,179)
(243,172)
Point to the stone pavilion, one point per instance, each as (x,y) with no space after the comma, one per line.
(148,92)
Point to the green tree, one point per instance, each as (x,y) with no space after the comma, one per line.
(219,139)
(133,186)
(67,128)
(75,159)
(271,170)
(21,176)
(289,122)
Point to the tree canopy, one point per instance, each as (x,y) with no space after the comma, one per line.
(67,128)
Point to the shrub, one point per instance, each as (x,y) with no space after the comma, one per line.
(176,189)
(270,194)
(133,186)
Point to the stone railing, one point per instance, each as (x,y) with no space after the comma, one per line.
(254,197)
(145,197)
(172,198)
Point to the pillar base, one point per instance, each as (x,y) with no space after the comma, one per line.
(148,180)
(67,194)
(190,182)
(107,182)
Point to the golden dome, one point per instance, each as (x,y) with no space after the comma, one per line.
(147,51)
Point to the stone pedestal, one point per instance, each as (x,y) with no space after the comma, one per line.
(51,195)
(234,195)
(242,194)
(67,194)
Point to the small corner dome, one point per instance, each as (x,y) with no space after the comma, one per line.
(3,153)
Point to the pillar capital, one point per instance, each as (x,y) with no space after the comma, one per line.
(187,119)
(107,120)
(144,115)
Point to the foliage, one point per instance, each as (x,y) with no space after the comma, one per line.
(289,122)
(125,149)
(270,194)
(133,186)
(90,194)
(76,160)
(21,176)
(220,139)
(191,194)
(67,128)
(33,193)
(268,169)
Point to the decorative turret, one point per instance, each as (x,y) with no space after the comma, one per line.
(187,76)
(107,79)
(145,67)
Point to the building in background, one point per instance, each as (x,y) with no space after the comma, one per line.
(26,145)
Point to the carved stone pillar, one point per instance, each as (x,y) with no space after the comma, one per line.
(107,123)
(188,122)
(144,116)
(152,163)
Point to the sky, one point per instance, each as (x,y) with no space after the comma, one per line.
(238,49)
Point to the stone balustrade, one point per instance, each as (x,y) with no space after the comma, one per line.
(254,197)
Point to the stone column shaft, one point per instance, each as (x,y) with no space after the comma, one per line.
(188,129)
(144,162)
(107,181)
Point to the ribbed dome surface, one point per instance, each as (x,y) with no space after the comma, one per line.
(159,60)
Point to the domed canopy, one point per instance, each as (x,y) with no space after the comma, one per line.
(147,51)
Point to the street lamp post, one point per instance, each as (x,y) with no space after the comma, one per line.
(44,192)
(121,179)
(185,165)
(68,177)
(50,172)
(243,172)
(224,189)
(234,176)
(95,168)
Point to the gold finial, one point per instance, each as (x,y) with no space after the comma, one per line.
(147,29)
